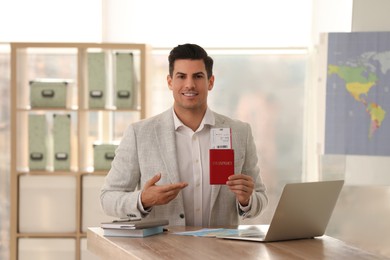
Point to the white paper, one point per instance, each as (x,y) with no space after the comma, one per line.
(220,138)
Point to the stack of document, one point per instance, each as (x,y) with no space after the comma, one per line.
(134,228)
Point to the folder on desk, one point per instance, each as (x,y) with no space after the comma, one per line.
(37,131)
(125,80)
(96,80)
(61,136)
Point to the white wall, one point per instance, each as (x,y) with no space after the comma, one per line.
(370,15)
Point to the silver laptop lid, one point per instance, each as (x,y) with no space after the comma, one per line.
(304,210)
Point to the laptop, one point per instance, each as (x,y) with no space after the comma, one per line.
(303,211)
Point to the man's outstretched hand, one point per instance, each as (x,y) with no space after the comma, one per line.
(153,194)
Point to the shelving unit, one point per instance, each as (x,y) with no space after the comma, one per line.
(56,207)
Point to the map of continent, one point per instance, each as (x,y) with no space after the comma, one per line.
(358,94)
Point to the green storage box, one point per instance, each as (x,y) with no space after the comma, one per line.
(125,81)
(37,148)
(96,80)
(103,154)
(48,93)
(61,138)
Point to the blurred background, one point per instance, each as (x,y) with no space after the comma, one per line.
(267,67)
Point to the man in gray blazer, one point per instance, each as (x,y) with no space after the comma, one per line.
(161,167)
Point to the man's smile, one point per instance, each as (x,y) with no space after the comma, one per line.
(190,94)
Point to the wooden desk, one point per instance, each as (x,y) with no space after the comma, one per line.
(169,246)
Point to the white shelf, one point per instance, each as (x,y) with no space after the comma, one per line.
(88,125)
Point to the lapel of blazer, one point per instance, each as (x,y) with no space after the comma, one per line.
(219,123)
(165,136)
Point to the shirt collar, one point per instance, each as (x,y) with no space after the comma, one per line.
(208,119)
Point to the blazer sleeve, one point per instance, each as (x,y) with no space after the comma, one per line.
(119,193)
(250,167)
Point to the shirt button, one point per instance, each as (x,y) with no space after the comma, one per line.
(181,215)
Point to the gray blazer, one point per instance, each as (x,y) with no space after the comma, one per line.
(148,147)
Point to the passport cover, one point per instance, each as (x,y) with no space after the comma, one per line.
(221,165)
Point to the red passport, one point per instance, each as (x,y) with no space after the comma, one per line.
(221,165)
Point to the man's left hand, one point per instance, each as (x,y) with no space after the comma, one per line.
(242,185)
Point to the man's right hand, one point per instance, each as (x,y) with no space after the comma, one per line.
(153,194)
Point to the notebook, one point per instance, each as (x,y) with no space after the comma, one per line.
(134,224)
(303,211)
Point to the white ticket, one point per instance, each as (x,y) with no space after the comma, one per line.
(221,138)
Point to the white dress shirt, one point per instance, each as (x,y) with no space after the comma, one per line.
(193,157)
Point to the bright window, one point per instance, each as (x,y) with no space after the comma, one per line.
(244,23)
(52,21)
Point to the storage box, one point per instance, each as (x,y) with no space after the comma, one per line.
(125,81)
(61,136)
(103,154)
(37,149)
(48,93)
(96,80)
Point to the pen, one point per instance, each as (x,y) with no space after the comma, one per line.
(120,220)
(126,220)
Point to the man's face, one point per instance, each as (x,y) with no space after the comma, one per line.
(190,85)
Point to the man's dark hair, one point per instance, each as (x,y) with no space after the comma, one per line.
(192,52)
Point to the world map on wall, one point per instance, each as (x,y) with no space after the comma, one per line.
(357,118)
